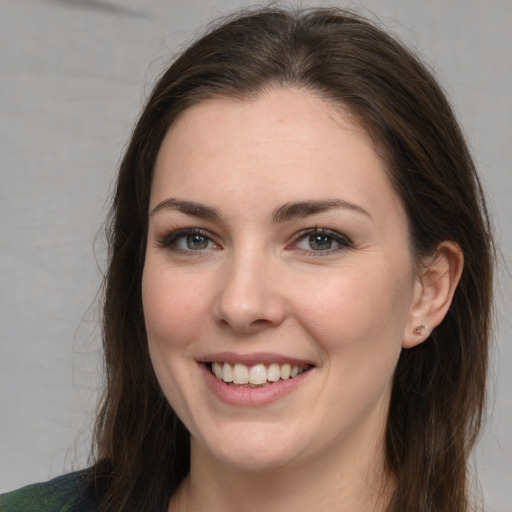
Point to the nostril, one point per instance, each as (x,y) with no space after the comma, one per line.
(244,324)
(260,321)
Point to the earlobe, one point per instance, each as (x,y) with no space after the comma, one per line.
(434,288)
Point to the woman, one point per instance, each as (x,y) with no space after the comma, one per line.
(297,307)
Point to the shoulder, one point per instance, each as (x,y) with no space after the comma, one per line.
(68,493)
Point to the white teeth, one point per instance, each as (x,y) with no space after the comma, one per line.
(256,375)
(240,374)
(273,372)
(286,370)
(217,370)
(227,373)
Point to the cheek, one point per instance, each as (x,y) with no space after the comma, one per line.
(172,306)
(358,322)
(363,311)
(170,311)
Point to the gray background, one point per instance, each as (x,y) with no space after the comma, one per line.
(73,75)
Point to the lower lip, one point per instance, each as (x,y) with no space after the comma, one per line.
(242,396)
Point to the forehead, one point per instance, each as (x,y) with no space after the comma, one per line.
(272,109)
(284,140)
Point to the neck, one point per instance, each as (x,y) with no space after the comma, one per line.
(355,486)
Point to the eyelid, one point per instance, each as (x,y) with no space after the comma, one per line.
(343,240)
(172,235)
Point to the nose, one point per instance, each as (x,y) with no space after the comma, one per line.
(249,299)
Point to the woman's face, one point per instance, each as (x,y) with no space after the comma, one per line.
(276,244)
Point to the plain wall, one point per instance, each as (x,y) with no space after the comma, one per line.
(73,75)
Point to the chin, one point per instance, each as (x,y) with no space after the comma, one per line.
(253,462)
(250,451)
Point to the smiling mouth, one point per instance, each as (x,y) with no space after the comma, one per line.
(255,376)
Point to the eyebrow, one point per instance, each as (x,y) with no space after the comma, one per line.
(284,213)
(189,207)
(304,208)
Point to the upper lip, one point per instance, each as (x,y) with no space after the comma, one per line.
(253,359)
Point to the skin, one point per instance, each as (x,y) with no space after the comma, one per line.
(255,283)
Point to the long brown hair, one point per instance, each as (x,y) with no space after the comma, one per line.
(436,410)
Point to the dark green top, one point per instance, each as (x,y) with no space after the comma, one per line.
(68,493)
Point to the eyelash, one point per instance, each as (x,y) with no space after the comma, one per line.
(342,240)
(170,239)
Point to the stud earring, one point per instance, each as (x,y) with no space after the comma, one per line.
(418,331)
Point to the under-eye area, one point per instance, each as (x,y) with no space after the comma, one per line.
(258,375)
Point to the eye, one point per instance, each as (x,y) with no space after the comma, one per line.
(321,240)
(187,240)
(192,242)
(317,242)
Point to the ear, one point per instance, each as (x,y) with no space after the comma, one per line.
(434,287)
